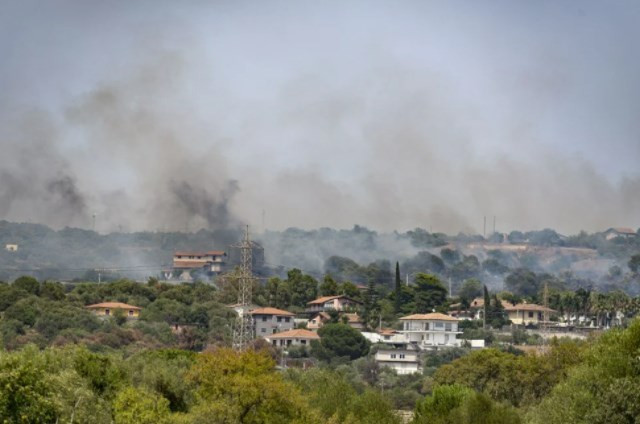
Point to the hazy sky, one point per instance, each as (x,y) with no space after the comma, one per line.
(166,114)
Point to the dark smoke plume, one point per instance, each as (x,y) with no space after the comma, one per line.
(200,203)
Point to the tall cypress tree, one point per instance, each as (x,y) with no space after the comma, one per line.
(398,290)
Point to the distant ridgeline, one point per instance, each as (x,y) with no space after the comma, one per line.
(358,254)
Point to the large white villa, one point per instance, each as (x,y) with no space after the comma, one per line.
(429,331)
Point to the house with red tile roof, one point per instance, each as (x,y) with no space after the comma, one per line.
(336,303)
(432,330)
(270,320)
(298,337)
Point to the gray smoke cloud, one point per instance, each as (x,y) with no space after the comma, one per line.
(204,116)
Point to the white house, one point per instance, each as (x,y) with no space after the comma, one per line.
(402,361)
(528,313)
(298,337)
(433,330)
(11,247)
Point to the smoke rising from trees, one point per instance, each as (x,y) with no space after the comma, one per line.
(391,119)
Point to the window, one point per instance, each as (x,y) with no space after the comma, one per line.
(530,314)
(402,356)
(304,342)
(439,325)
(387,337)
(107,312)
(393,356)
(287,319)
(447,327)
(275,330)
(264,318)
(289,342)
(263,330)
(279,319)
(275,342)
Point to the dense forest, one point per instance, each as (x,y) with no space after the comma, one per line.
(61,363)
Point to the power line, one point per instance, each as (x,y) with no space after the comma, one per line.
(111,268)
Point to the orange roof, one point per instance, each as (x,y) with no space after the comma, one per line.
(432,316)
(527,307)
(270,311)
(322,314)
(114,305)
(322,299)
(325,299)
(387,331)
(295,334)
(478,303)
(204,253)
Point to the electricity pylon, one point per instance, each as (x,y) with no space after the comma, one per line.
(243,330)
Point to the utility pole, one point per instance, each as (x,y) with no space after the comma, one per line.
(243,331)
(545,295)
(484,227)
(93,223)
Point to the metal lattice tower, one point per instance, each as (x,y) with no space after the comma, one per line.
(545,296)
(243,331)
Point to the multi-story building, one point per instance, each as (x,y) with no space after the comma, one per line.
(207,262)
(271,320)
(429,331)
(401,360)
